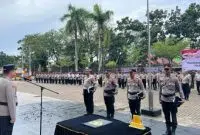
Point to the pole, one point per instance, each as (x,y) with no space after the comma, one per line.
(29,48)
(149,35)
(41,99)
(149,60)
(150,111)
(41,110)
(22,61)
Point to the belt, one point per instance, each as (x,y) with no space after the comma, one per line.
(169,95)
(112,91)
(6,104)
(133,93)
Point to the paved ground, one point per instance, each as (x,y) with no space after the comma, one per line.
(188,115)
(55,110)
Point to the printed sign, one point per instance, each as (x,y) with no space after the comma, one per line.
(190,59)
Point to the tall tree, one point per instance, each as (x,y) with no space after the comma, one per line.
(75,25)
(101,18)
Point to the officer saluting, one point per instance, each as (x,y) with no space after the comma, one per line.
(88,91)
(8,100)
(169,84)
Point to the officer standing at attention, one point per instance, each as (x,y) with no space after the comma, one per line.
(135,92)
(110,90)
(88,91)
(169,84)
(186,84)
(8,100)
(197,79)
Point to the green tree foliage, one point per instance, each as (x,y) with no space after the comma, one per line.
(7,59)
(157,18)
(169,48)
(111,65)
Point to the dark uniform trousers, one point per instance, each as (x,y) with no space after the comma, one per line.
(119,82)
(198,86)
(109,102)
(169,109)
(186,90)
(88,100)
(154,84)
(123,83)
(134,106)
(144,83)
(6,127)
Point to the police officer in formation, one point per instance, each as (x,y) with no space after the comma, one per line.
(197,79)
(8,100)
(144,78)
(135,92)
(89,88)
(186,84)
(110,90)
(169,84)
(57,78)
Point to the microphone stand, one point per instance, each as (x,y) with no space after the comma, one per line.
(41,99)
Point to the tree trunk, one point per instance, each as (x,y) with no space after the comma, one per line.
(76,53)
(99,53)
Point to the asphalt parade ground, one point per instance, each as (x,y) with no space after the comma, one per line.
(69,104)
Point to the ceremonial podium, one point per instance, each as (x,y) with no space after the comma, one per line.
(97,125)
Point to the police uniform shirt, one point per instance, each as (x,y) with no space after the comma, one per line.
(149,77)
(8,95)
(143,76)
(187,79)
(89,82)
(168,87)
(110,85)
(134,87)
(197,76)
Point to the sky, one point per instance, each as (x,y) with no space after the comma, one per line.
(21,17)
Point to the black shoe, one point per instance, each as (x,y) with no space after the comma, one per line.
(173,130)
(108,117)
(168,131)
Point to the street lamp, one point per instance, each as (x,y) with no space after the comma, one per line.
(150,111)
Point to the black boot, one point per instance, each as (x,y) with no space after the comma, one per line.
(112,116)
(168,130)
(173,130)
(108,116)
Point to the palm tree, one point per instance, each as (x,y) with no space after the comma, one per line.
(75,25)
(101,18)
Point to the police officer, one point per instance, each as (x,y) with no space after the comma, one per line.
(149,80)
(169,84)
(135,92)
(197,79)
(186,84)
(143,77)
(36,78)
(154,80)
(88,91)
(8,101)
(110,90)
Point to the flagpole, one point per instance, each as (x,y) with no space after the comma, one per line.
(150,111)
